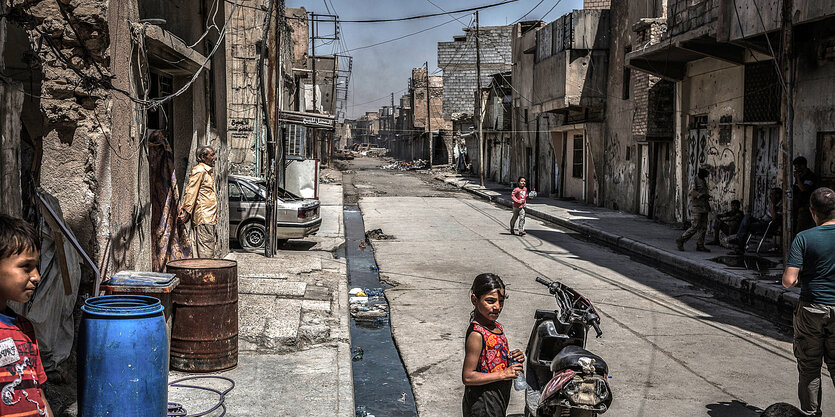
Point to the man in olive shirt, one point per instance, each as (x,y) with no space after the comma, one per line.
(200,202)
(811,263)
(699,208)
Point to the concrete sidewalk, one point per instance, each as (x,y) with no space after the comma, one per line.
(643,238)
(293,329)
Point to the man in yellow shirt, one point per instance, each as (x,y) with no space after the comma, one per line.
(200,203)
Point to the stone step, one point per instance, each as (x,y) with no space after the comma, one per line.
(268,323)
(266,286)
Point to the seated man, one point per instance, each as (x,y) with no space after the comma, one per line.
(749,224)
(727,223)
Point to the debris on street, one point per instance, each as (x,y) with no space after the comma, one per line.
(356,354)
(406,165)
(325,178)
(368,305)
(377,234)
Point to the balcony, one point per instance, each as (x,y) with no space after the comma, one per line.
(571,62)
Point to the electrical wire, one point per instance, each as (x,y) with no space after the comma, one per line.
(400,37)
(529,12)
(423,16)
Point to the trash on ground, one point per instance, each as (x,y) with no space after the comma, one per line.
(356,354)
(377,234)
(358,300)
(368,307)
(406,166)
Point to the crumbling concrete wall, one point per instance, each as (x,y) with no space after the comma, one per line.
(86,80)
(524,38)
(635,102)
(715,90)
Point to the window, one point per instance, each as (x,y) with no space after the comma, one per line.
(627,74)
(250,194)
(577,162)
(296,138)
(234,192)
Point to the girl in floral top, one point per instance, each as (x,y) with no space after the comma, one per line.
(487,373)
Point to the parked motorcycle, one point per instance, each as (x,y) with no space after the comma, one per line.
(563,378)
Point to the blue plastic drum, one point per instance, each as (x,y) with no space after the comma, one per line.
(122,357)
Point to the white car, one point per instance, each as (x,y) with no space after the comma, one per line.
(296,217)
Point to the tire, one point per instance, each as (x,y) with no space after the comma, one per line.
(252,236)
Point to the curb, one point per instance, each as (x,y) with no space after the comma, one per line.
(752,290)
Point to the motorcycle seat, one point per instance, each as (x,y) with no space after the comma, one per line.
(569,357)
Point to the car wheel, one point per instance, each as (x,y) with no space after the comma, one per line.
(252,236)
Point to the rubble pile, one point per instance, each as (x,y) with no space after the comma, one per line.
(377,234)
(406,166)
(324,178)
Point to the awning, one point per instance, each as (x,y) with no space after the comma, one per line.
(668,59)
(311,120)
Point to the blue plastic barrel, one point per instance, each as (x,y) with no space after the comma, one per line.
(122,357)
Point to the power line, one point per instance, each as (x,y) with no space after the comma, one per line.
(423,16)
(529,12)
(401,37)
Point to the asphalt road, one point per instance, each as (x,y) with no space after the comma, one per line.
(673,349)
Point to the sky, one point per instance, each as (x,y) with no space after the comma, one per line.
(380,70)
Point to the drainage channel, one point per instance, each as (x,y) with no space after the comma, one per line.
(381,386)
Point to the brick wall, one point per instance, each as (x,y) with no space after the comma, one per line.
(687,15)
(597,4)
(458,61)
(653,97)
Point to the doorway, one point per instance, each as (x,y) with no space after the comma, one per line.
(766,153)
(645,180)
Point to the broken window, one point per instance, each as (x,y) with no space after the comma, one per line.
(577,162)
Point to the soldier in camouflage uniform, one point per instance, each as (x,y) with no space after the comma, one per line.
(699,209)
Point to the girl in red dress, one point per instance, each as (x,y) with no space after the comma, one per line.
(487,373)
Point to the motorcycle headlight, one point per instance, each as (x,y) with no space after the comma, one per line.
(571,388)
(587,392)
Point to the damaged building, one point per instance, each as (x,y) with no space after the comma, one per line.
(85,85)
(457,60)
(749,80)
(563,66)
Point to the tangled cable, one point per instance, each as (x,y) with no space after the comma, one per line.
(177,410)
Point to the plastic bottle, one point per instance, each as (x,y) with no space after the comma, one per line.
(519,384)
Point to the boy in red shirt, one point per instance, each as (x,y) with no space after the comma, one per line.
(21,371)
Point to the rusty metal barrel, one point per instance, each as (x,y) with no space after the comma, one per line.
(204,330)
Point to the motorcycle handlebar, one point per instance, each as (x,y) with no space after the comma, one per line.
(596,327)
(543,281)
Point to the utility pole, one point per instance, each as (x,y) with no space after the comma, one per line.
(478,100)
(429,119)
(391,126)
(787,114)
(313,56)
